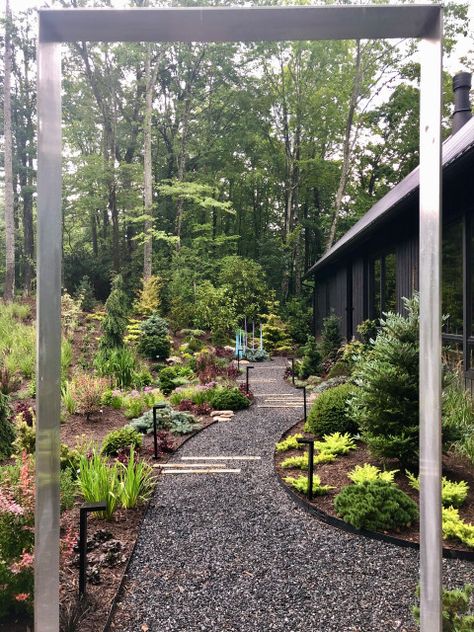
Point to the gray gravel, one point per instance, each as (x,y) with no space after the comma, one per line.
(233,553)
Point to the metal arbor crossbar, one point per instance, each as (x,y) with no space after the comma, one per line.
(219,25)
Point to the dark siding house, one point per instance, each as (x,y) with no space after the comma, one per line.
(375,264)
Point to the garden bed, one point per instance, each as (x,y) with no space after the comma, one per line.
(335,474)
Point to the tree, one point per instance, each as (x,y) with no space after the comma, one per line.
(9,288)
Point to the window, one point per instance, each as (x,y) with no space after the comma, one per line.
(452,285)
(383,285)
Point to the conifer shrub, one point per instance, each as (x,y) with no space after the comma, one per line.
(229,399)
(331,338)
(276,336)
(385,404)
(148,301)
(456,609)
(7,431)
(85,294)
(330,413)
(311,363)
(121,439)
(154,340)
(116,312)
(375,505)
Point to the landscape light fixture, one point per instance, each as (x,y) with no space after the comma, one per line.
(310,444)
(233,24)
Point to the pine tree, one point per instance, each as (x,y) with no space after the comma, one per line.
(386,403)
(115,321)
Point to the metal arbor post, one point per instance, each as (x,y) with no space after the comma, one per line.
(233,24)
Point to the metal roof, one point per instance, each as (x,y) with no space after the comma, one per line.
(453,148)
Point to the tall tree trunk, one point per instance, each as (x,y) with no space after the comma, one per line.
(9,290)
(341,189)
(147,175)
(182,169)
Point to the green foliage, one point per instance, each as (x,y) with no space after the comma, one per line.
(216,311)
(456,607)
(331,338)
(386,403)
(368,473)
(330,413)
(276,336)
(456,528)
(116,312)
(256,355)
(297,313)
(98,481)
(7,431)
(113,398)
(453,493)
(197,395)
(86,391)
(69,459)
(167,377)
(121,439)
(301,485)
(137,402)
(368,331)
(119,363)
(25,438)
(339,368)
(166,419)
(85,294)
(229,399)
(311,363)
(67,489)
(17,341)
(290,443)
(70,313)
(335,443)
(154,340)
(244,280)
(302,462)
(136,482)
(377,505)
(458,416)
(67,398)
(148,301)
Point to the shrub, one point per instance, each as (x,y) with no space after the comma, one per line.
(70,312)
(256,355)
(453,493)
(137,402)
(329,383)
(148,300)
(302,462)
(99,482)
(386,403)
(229,399)
(330,338)
(208,366)
(115,321)
(112,398)
(298,315)
(119,363)
(368,331)
(166,418)
(7,431)
(154,341)
(335,443)
(456,605)
(25,437)
(375,505)
(67,489)
(454,527)
(340,368)
(136,484)
(329,413)
(311,364)
(85,294)
(290,443)
(276,336)
(369,473)
(215,310)
(121,439)
(197,395)
(458,416)
(301,485)
(167,377)
(86,390)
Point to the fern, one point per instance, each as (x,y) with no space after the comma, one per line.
(336,443)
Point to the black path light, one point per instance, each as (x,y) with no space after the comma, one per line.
(293,370)
(247,369)
(310,444)
(83,511)
(155,438)
(303,388)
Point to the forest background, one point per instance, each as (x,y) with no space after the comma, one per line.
(223,170)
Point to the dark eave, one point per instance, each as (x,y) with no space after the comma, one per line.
(453,148)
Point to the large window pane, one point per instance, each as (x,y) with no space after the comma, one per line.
(453,278)
(390,289)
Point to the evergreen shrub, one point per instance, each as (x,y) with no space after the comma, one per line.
(331,338)
(311,363)
(121,439)
(7,430)
(229,399)
(115,322)
(154,341)
(375,505)
(329,413)
(385,405)
(456,607)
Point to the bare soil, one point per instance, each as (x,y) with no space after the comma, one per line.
(335,474)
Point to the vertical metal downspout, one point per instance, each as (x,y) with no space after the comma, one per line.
(48,350)
(430,331)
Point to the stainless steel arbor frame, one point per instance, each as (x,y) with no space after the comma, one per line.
(217,25)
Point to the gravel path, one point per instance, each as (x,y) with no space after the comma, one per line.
(233,553)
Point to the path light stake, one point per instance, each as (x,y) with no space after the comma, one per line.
(303,388)
(247,369)
(155,438)
(310,443)
(83,511)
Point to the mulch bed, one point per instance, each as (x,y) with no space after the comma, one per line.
(335,474)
